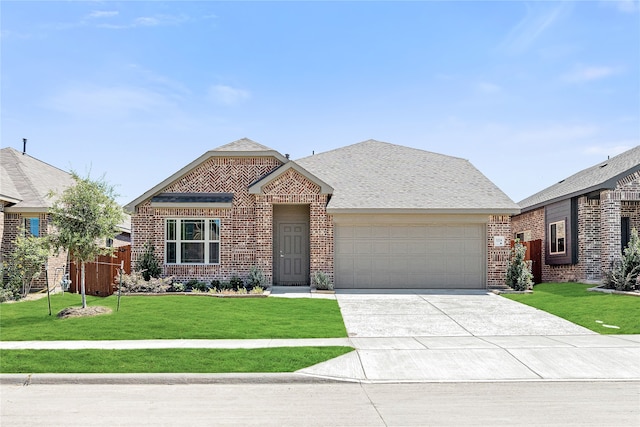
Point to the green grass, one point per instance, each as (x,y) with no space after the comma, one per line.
(573,302)
(174,317)
(166,360)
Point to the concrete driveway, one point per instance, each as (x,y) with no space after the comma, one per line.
(445,314)
(403,336)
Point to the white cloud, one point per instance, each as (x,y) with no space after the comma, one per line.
(149,21)
(628,6)
(228,95)
(488,88)
(103,13)
(586,73)
(611,149)
(107,102)
(538,19)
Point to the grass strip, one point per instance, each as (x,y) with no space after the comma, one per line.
(173,317)
(601,312)
(280,359)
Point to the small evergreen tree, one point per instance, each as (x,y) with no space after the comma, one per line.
(519,276)
(623,275)
(148,264)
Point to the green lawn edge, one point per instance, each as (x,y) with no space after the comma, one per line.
(261,360)
(600,312)
(173,317)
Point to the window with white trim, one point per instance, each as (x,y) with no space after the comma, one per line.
(192,241)
(558,238)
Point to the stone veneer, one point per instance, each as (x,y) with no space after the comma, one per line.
(598,231)
(497,257)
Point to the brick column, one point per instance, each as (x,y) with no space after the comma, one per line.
(589,247)
(498,257)
(609,227)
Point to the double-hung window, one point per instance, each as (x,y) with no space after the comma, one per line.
(192,241)
(558,238)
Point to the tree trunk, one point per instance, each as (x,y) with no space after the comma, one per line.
(84,296)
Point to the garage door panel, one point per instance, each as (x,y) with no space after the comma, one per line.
(410,256)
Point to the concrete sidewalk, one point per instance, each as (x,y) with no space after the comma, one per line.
(404,359)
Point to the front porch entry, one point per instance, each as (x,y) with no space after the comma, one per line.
(291,245)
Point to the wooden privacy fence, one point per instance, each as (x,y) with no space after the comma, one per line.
(99,275)
(533,254)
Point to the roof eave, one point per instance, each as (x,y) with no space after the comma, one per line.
(26,209)
(427,211)
(609,184)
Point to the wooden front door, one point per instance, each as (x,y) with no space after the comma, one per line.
(293,254)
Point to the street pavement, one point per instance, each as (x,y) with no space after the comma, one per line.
(411,336)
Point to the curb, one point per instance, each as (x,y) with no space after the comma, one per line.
(160,379)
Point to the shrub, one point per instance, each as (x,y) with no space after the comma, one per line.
(135,283)
(225,286)
(623,274)
(321,281)
(178,287)
(236,283)
(148,264)
(256,278)
(519,275)
(11,284)
(257,290)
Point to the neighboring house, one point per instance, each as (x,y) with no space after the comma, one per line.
(585,220)
(370,215)
(25,183)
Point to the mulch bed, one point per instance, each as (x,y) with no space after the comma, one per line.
(83,312)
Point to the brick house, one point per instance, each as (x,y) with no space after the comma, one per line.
(585,220)
(371,215)
(24,204)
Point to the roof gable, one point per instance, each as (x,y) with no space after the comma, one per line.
(257,187)
(27,181)
(604,175)
(240,148)
(379,176)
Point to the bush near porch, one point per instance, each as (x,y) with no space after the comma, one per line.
(593,310)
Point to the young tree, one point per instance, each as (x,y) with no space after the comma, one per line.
(26,260)
(83,216)
(148,264)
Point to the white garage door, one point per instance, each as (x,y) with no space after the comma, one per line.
(410,256)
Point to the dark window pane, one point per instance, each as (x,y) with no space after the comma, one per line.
(193,229)
(214,230)
(561,245)
(171,253)
(554,244)
(214,253)
(192,253)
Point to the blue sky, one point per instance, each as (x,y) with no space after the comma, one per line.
(529,92)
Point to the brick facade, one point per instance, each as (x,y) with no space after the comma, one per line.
(57,264)
(598,228)
(246,230)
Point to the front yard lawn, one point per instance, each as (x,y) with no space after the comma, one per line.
(280,359)
(173,317)
(593,310)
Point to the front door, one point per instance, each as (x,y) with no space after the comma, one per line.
(293,254)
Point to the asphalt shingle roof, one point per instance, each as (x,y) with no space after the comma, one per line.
(29,180)
(244,144)
(601,176)
(379,175)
